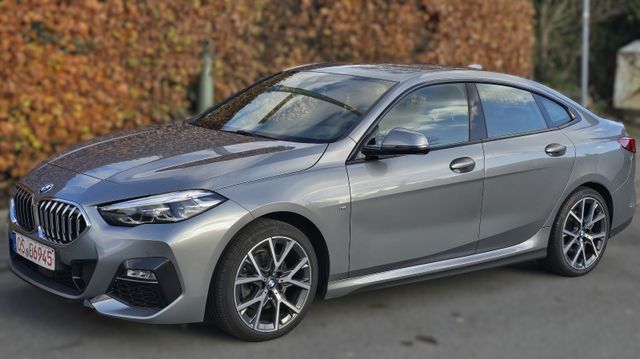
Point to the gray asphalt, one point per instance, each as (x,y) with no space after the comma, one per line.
(517,311)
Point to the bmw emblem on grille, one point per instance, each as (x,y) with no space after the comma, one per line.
(46,188)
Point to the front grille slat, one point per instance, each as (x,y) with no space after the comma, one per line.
(49,214)
(44,218)
(68,218)
(41,215)
(21,209)
(18,205)
(69,223)
(23,205)
(52,220)
(79,226)
(58,218)
(61,222)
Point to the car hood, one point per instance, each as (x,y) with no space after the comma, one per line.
(183,156)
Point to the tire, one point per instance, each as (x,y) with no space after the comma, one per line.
(584,246)
(272,290)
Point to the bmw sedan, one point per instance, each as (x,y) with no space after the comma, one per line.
(317,182)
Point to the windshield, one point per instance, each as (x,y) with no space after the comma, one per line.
(298,106)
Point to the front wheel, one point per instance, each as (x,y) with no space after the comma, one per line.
(265,281)
(579,234)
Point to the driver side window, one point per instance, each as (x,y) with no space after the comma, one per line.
(440,112)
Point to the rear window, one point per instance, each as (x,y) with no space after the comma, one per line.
(558,115)
(509,111)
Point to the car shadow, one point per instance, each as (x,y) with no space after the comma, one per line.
(22,302)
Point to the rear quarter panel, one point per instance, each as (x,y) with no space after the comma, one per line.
(601,160)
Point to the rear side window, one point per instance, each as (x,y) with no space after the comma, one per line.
(440,112)
(558,115)
(509,111)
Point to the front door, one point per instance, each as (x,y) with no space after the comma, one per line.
(412,209)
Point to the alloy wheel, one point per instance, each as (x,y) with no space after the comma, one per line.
(272,284)
(584,233)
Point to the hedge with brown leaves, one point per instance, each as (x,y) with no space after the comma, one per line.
(73,70)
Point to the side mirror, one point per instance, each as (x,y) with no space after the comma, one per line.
(399,141)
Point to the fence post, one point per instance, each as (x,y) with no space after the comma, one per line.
(205,85)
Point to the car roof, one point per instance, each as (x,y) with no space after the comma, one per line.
(388,72)
(405,72)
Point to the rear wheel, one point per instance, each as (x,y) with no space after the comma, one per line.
(265,281)
(579,234)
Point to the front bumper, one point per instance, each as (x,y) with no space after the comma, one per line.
(87,267)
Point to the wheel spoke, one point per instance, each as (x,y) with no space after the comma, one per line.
(592,212)
(568,246)
(584,202)
(575,259)
(297,283)
(596,236)
(251,302)
(297,268)
(291,306)
(255,265)
(276,320)
(256,320)
(281,299)
(600,217)
(285,253)
(246,280)
(596,252)
(576,217)
(272,249)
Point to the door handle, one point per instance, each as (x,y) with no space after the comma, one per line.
(555,149)
(462,165)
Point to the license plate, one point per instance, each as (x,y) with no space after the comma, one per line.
(38,253)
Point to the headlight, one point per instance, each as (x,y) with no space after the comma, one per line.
(12,211)
(162,208)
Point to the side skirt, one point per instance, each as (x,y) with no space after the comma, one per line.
(533,248)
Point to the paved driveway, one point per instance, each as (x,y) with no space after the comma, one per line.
(512,312)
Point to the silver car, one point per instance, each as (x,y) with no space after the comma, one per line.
(319,181)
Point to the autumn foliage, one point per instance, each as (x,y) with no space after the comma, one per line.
(72,70)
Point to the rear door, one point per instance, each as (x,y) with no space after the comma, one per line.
(414,209)
(527,163)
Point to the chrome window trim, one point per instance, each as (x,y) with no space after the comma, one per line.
(574,117)
(353,155)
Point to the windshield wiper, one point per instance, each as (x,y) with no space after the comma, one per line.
(248,133)
(317,96)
